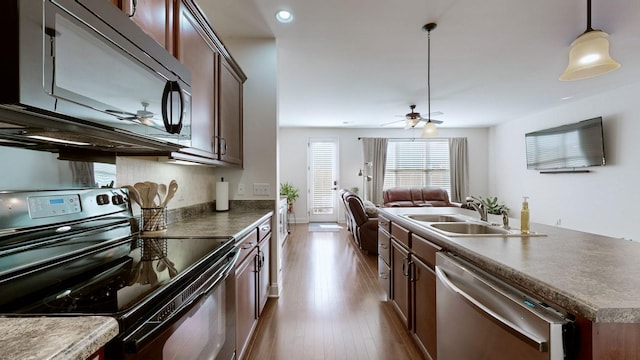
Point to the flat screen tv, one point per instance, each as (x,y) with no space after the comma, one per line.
(571,146)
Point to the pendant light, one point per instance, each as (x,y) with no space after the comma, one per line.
(429,129)
(589,54)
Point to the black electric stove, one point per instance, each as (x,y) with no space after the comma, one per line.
(78,252)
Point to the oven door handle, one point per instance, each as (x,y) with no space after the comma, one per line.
(233,259)
(148,330)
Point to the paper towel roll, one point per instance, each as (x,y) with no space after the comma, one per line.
(222,196)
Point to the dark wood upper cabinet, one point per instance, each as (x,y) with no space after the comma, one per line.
(217,80)
(230,121)
(198,53)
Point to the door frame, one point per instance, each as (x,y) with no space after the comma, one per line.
(333,218)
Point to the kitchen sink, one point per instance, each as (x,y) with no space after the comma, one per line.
(435,218)
(471,229)
(467,228)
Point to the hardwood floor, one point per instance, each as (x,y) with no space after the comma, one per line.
(331,306)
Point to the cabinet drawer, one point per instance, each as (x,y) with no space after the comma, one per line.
(424,249)
(384,276)
(384,242)
(383,223)
(247,244)
(264,228)
(401,234)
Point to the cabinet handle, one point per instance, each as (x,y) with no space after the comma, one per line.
(412,271)
(265,228)
(223,146)
(135,6)
(405,267)
(384,276)
(383,245)
(247,246)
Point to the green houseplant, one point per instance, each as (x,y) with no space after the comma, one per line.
(291,192)
(493,206)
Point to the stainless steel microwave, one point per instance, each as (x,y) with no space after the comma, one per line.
(82,64)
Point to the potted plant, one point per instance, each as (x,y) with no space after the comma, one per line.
(493,207)
(291,192)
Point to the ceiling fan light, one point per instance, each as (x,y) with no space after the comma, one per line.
(589,57)
(412,122)
(429,130)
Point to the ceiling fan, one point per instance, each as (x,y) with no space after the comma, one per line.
(142,115)
(412,118)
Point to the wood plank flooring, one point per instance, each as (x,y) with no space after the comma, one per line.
(331,306)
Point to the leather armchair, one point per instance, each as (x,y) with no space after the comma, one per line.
(363,228)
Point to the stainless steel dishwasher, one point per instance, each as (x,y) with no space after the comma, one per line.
(481,317)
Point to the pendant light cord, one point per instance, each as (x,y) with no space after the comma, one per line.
(589,16)
(429,76)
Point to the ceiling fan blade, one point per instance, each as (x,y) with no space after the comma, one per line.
(392,122)
(437,121)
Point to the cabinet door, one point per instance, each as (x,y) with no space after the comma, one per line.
(230,121)
(263,273)
(154,17)
(400,280)
(245,301)
(423,283)
(199,55)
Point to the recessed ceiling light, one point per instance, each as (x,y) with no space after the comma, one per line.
(284,16)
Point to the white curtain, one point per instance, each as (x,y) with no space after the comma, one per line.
(375,154)
(459,169)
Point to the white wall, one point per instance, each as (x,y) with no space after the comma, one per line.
(258,60)
(603,201)
(293,161)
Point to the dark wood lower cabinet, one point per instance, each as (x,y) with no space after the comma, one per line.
(400,296)
(246,298)
(423,286)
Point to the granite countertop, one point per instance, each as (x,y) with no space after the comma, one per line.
(78,337)
(235,222)
(589,275)
(67,338)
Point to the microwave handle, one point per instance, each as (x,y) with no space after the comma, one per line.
(171,88)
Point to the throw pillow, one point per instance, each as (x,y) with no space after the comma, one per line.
(370,209)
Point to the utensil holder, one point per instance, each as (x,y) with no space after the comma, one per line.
(153,221)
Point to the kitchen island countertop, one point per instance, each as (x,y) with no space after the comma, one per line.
(590,275)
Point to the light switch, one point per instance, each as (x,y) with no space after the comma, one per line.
(261,189)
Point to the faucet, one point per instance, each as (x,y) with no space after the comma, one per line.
(479,206)
(505,220)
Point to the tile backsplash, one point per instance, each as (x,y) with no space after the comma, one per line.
(196,184)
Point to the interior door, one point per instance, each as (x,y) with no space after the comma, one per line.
(323,183)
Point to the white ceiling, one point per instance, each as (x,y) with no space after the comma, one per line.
(359,63)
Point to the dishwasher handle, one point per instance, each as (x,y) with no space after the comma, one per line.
(541,345)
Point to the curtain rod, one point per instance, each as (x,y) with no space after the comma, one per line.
(412,139)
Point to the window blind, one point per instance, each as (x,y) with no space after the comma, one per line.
(418,163)
(323,173)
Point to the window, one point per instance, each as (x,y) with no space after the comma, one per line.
(418,163)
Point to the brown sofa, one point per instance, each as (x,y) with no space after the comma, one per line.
(363,227)
(416,196)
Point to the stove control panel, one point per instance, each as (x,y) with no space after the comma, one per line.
(45,206)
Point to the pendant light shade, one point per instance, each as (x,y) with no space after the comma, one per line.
(429,129)
(589,54)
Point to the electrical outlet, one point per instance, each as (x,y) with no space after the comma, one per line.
(240,190)
(262,189)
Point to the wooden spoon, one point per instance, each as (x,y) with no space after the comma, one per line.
(143,191)
(133,194)
(152,193)
(162,192)
(171,191)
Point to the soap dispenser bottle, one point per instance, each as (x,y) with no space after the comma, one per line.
(524,216)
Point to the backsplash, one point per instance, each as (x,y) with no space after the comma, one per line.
(196,184)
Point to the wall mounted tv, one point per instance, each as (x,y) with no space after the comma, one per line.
(569,147)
